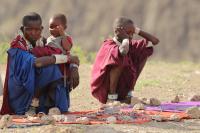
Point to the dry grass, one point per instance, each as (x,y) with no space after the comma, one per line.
(158,79)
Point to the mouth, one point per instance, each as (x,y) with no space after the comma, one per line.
(32,40)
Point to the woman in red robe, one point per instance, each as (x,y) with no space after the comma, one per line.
(120,61)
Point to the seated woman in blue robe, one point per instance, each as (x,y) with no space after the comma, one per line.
(25,73)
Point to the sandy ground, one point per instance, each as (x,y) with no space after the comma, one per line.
(159,79)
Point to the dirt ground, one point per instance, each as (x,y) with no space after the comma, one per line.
(162,80)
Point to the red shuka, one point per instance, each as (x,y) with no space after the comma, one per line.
(109,56)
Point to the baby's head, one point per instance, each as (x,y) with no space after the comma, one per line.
(57,24)
(123,28)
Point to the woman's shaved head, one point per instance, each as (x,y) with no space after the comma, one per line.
(122,22)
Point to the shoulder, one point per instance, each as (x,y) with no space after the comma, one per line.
(18,42)
(109,41)
(20,54)
(69,39)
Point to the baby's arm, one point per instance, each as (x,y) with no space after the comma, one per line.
(66,43)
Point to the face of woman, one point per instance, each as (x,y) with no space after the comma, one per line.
(126,31)
(129,29)
(32,31)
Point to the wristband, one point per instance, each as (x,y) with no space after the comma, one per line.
(124,47)
(130,94)
(125,42)
(112,96)
(73,65)
(137,30)
(61,59)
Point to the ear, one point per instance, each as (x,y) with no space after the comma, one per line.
(65,27)
(22,28)
(117,31)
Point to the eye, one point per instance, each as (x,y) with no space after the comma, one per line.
(130,32)
(53,26)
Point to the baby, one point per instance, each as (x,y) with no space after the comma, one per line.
(59,38)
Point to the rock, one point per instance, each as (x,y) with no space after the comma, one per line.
(31,118)
(6,121)
(31,111)
(64,118)
(158,118)
(154,102)
(145,101)
(193,112)
(46,119)
(195,98)
(176,99)
(116,103)
(139,106)
(54,111)
(125,118)
(111,119)
(83,120)
(70,118)
(59,118)
(35,102)
(111,110)
(124,105)
(135,100)
(174,117)
(40,114)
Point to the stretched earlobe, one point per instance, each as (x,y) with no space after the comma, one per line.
(65,27)
(22,28)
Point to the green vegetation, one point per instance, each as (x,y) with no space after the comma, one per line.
(85,57)
(3,55)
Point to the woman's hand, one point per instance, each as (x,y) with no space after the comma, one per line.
(121,34)
(74,59)
(74,77)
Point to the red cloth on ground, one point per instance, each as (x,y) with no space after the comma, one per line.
(109,56)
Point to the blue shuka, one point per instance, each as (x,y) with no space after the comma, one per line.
(24,78)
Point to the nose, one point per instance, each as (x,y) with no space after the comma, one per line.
(34,34)
(130,36)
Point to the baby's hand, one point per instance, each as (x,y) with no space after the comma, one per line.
(61,30)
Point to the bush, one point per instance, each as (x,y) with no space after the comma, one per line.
(3,52)
(85,57)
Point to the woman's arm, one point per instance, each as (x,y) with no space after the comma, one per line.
(55,59)
(44,61)
(148,36)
